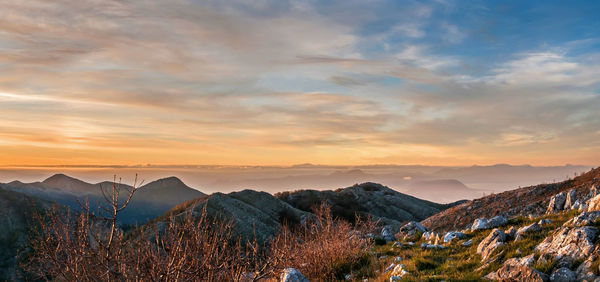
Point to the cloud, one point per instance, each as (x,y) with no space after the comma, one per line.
(284,82)
(452,34)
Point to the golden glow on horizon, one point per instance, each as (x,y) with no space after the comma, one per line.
(188,82)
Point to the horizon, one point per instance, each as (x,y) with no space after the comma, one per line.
(279,83)
(467,182)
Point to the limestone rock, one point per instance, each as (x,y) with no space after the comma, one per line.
(557,203)
(399,270)
(519,273)
(480,223)
(387,234)
(453,235)
(569,243)
(411,229)
(518,269)
(570,200)
(563,274)
(594,204)
(292,275)
(468,243)
(534,227)
(495,239)
(585,218)
(484,223)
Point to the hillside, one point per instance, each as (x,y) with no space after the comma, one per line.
(381,202)
(523,201)
(150,200)
(252,212)
(17,209)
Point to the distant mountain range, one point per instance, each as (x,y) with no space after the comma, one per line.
(443,190)
(150,201)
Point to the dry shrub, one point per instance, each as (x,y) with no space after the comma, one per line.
(322,246)
(197,247)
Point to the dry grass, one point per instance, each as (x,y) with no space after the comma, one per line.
(198,247)
(325,247)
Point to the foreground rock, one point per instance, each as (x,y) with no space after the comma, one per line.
(484,223)
(569,244)
(532,228)
(292,275)
(450,236)
(563,274)
(489,244)
(518,273)
(387,234)
(518,269)
(584,219)
(411,230)
(594,203)
(557,203)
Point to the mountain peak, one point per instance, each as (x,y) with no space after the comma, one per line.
(58,177)
(67,183)
(170,184)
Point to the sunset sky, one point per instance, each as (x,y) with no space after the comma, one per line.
(286,82)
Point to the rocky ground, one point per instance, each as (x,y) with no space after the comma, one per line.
(533,200)
(560,243)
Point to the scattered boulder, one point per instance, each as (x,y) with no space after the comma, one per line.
(495,239)
(585,271)
(432,246)
(480,223)
(586,218)
(497,221)
(468,243)
(594,204)
(531,228)
(519,273)
(453,235)
(577,205)
(292,275)
(411,230)
(428,235)
(399,270)
(593,192)
(570,200)
(557,203)
(543,222)
(484,223)
(569,243)
(387,234)
(563,274)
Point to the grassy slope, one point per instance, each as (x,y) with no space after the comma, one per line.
(522,201)
(460,263)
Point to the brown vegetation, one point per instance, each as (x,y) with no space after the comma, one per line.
(86,247)
(522,201)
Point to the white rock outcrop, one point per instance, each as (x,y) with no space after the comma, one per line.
(563,274)
(569,243)
(484,223)
(411,229)
(557,203)
(450,236)
(495,239)
(292,275)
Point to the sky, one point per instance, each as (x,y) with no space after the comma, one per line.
(286,82)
